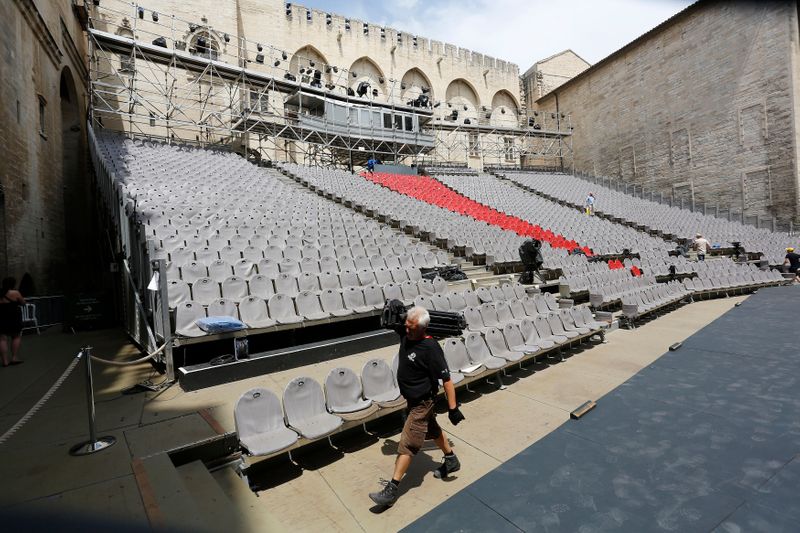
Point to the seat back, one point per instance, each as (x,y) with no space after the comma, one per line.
(476,347)
(261,286)
(205,291)
(281,306)
(234,288)
(257,411)
(377,378)
(253,310)
(455,353)
(303,399)
(223,307)
(342,389)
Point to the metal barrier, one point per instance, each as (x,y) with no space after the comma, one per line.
(94,444)
(50,310)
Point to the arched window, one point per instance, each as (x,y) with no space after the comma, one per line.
(204,45)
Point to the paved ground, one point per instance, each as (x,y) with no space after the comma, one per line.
(330,491)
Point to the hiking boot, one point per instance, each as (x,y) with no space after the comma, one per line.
(449,465)
(387,496)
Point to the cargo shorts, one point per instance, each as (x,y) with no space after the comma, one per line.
(420,425)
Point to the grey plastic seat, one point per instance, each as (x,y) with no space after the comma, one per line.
(328,280)
(425,287)
(455,353)
(281,309)
(497,346)
(234,288)
(286,284)
(373,296)
(349,278)
(440,302)
(205,291)
(261,286)
(268,267)
(193,271)
(515,340)
(354,299)
(457,301)
(253,312)
(178,292)
(308,306)
(557,327)
(497,293)
(380,384)
(219,270)
(344,395)
(260,425)
(471,298)
(413,274)
(439,285)
(392,292)
(304,405)
(185,316)
(489,316)
(308,281)
(366,277)
(479,353)
(332,303)
(223,307)
(289,266)
(484,295)
(569,322)
(542,327)
(531,337)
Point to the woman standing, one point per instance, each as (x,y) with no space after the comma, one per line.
(10,320)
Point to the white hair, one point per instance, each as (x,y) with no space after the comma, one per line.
(420,314)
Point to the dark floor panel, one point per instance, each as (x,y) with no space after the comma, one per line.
(701,440)
(461,513)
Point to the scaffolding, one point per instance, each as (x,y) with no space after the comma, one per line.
(189,86)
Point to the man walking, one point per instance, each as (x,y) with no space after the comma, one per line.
(421,365)
(590,204)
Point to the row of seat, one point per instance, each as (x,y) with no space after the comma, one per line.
(671,220)
(205,290)
(652,299)
(267,425)
(220,269)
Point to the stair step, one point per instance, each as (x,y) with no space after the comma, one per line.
(254,513)
(176,507)
(219,514)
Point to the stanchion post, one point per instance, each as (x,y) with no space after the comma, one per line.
(166,329)
(94,444)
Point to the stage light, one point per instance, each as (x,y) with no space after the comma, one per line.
(415,41)
(366,29)
(347,24)
(328,69)
(483,108)
(288,9)
(350,91)
(362,89)
(426,90)
(375,92)
(227,38)
(402,86)
(503,110)
(302,70)
(154,16)
(328,19)
(454,114)
(381,80)
(201,45)
(335,69)
(160,41)
(259,47)
(277,62)
(289,76)
(308,15)
(535,113)
(399,37)
(310,63)
(465,108)
(317,74)
(355,75)
(316,83)
(140,11)
(192,27)
(260,58)
(467,121)
(283,55)
(383,33)
(330,86)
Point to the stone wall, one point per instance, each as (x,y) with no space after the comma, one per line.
(41,42)
(547,74)
(704,106)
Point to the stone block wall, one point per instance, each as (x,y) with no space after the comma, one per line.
(703,106)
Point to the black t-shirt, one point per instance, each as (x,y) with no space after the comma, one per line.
(421,364)
(794,260)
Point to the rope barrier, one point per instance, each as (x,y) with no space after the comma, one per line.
(47,395)
(136,362)
(33,410)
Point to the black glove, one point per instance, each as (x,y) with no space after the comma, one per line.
(455,415)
